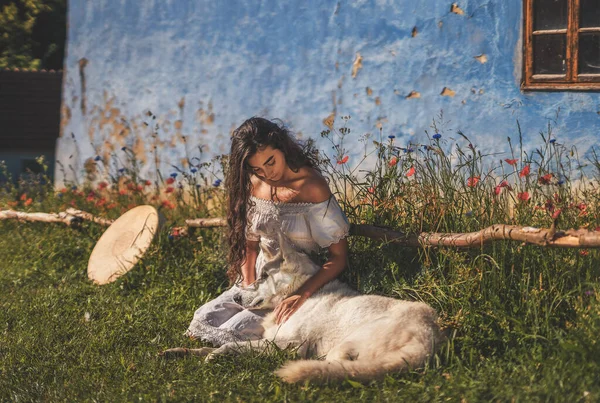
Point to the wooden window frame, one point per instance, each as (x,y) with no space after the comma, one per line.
(550,82)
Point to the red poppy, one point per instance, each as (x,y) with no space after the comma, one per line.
(584,252)
(544,180)
(556,214)
(169,189)
(24,197)
(525,171)
(123,192)
(343,160)
(147,183)
(102,185)
(582,206)
(497,190)
(170,180)
(524,196)
(472,181)
(511,161)
(28,202)
(410,172)
(139,188)
(371,190)
(393,161)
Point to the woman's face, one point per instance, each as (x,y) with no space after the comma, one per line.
(268,164)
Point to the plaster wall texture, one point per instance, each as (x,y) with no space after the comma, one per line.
(202,67)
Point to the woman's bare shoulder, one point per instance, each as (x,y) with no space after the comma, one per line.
(314,188)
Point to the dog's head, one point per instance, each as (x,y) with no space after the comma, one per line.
(282,276)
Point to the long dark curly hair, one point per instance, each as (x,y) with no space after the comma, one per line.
(253,135)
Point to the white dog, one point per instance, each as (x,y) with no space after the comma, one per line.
(361,336)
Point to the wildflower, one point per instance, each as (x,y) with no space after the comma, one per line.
(552,141)
(410,172)
(556,214)
(147,183)
(123,148)
(393,161)
(102,185)
(170,180)
(560,182)
(139,188)
(426,147)
(130,186)
(584,252)
(472,181)
(101,202)
(589,292)
(497,190)
(198,186)
(168,204)
(525,171)
(437,136)
(63,190)
(121,170)
(23,197)
(504,184)
(193,170)
(28,202)
(217,183)
(173,175)
(523,196)
(73,188)
(97,158)
(371,190)
(123,192)
(545,180)
(582,206)
(549,205)
(343,160)
(111,206)
(469,214)
(511,161)
(391,137)
(169,189)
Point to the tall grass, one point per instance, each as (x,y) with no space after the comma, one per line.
(523,319)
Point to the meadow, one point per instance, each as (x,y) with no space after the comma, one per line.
(523,320)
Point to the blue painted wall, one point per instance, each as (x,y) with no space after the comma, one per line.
(202,67)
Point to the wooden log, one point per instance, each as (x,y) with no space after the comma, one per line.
(62,217)
(538,236)
(89,217)
(550,237)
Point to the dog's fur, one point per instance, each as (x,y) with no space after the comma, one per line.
(361,336)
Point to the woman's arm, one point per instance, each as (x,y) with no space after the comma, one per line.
(249,265)
(336,263)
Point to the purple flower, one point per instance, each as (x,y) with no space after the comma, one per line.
(589,292)
(391,137)
(193,170)
(469,214)
(437,136)
(217,183)
(173,175)
(552,141)
(97,158)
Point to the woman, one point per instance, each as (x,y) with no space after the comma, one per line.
(273,185)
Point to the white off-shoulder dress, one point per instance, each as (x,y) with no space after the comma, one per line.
(309,226)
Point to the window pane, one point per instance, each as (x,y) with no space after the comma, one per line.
(549,54)
(589,13)
(589,53)
(550,14)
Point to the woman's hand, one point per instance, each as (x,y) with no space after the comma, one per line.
(287,307)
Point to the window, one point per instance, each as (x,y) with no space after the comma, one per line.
(561,45)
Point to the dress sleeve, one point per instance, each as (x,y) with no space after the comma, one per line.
(252,216)
(327,222)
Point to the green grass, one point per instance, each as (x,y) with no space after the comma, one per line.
(524,320)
